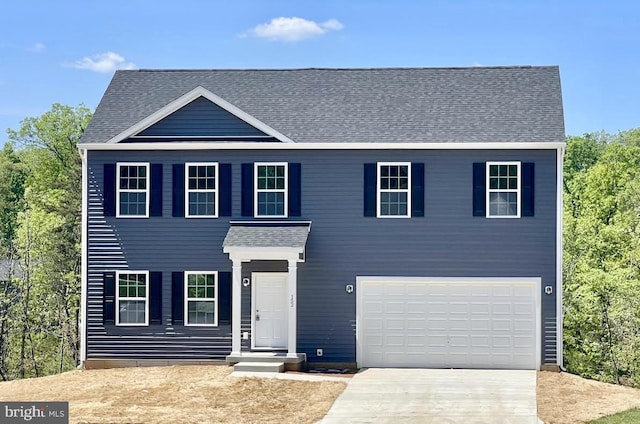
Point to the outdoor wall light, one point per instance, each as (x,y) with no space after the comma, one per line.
(245,282)
(349,288)
(548,289)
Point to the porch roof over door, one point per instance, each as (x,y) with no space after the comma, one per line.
(251,240)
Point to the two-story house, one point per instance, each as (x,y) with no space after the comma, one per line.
(405,217)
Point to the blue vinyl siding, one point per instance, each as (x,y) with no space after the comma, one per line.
(202,118)
(447,242)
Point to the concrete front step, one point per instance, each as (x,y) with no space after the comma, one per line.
(259,366)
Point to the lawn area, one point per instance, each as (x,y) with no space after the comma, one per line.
(631,416)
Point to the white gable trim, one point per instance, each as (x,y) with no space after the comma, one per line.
(187,98)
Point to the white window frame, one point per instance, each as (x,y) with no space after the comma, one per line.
(187,190)
(507,190)
(145,191)
(188,299)
(380,190)
(146,299)
(256,165)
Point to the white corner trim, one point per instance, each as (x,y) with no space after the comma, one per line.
(559,247)
(83,260)
(188,98)
(235,145)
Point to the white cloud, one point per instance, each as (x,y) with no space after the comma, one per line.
(104,62)
(294,29)
(37,48)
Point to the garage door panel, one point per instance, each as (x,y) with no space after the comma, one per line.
(470,323)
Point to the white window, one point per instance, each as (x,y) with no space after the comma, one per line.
(201,298)
(133,190)
(132,298)
(394,190)
(201,186)
(503,189)
(270,199)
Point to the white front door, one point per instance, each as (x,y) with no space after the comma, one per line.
(269,315)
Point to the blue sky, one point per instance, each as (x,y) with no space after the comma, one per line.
(65,51)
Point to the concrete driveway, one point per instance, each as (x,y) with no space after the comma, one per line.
(386,395)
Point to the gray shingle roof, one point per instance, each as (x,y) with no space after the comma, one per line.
(476,104)
(294,236)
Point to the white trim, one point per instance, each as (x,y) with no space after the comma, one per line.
(187,298)
(292,304)
(145,191)
(398,190)
(146,298)
(187,190)
(198,145)
(559,247)
(236,307)
(254,277)
(256,190)
(188,98)
(83,259)
(489,190)
(499,280)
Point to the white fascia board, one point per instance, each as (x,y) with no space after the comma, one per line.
(184,145)
(188,98)
(246,254)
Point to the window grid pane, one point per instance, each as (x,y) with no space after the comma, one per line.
(133,185)
(201,302)
(394,190)
(271,183)
(503,190)
(132,292)
(201,190)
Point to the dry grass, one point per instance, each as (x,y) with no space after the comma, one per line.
(177,394)
(565,398)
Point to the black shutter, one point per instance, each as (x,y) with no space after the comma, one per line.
(155,207)
(369,189)
(479,190)
(109,189)
(155,297)
(295,189)
(224,175)
(109,298)
(177,298)
(247,189)
(417,189)
(178,190)
(224,297)
(528,189)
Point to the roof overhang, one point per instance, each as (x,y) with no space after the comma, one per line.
(266,240)
(183,145)
(188,98)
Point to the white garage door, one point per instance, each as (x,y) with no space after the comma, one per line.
(448,322)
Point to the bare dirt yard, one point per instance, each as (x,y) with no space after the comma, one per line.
(208,394)
(177,394)
(565,398)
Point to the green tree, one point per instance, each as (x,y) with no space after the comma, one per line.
(47,242)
